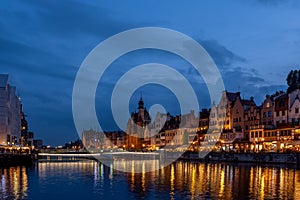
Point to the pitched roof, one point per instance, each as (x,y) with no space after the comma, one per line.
(281,96)
(3,80)
(246,102)
(232,96)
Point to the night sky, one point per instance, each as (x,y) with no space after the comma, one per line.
(43,43)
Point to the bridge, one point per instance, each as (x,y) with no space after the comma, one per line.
(95,156)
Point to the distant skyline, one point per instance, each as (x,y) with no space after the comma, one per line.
(254,44)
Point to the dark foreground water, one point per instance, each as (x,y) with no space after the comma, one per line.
(181,180)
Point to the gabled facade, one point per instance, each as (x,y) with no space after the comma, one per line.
(267,111)
(252,115)
(225,118)
(294,108)
(281,110)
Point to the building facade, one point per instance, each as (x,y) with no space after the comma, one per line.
(10,121)
(138,135)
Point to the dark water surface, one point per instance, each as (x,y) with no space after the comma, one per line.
(180,180)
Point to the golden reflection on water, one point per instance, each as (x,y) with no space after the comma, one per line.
(172,180)
(14,183)
(191,180)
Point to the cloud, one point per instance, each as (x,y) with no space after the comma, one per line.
(43,44)
(249,82)
(221,55)
(69,19)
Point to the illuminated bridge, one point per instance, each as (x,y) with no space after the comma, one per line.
(96,156)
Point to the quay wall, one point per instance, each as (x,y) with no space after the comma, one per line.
(280,158)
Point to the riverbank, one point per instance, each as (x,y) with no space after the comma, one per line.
(17,159)
(271,158)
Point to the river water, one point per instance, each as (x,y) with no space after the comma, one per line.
(180,180)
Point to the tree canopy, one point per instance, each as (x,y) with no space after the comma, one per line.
(293,80)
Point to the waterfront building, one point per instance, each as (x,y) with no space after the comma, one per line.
(137,133)
(179,131)
(93,140)
(10,122)
(38,143)
(252,115)
(214,129)
(204,120)
(156,139)
(224,109)
(26,136)
(294,106)
(281,109)
(237,114)
(267,111)
(264,137)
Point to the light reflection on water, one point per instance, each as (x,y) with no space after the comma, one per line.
(180,180)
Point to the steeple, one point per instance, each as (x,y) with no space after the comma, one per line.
(141,103)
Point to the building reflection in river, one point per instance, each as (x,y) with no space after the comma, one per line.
(14,183)
(218,181)
(176,181)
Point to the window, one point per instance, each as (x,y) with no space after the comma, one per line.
(283,113)
(268,105)
(270,114)
(252,134)
(264,115)
(256,134)
(260,133)
(296,110)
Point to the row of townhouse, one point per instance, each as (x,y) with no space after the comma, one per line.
(242,124)
(234,123)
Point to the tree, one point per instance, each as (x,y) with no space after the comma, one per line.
(293,80)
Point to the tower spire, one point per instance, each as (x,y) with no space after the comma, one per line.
(141,102)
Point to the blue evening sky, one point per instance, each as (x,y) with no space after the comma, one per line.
(254,43)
